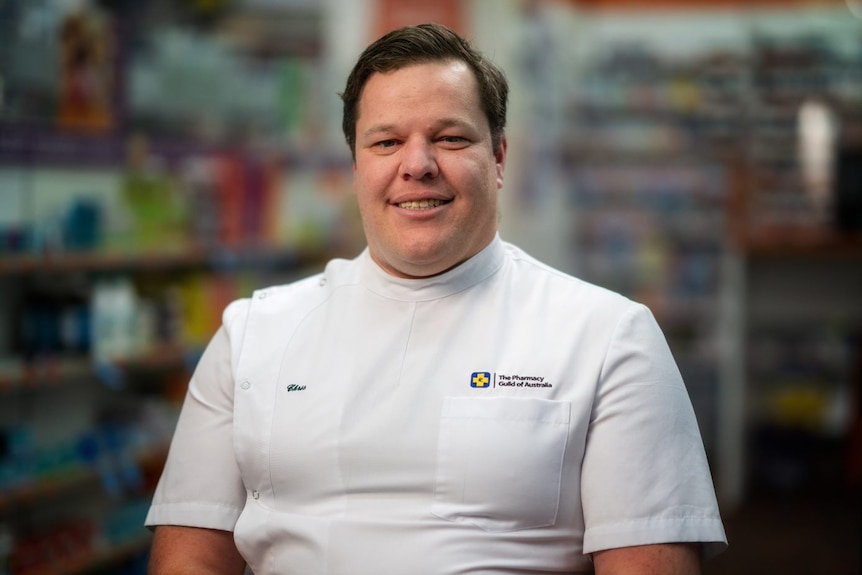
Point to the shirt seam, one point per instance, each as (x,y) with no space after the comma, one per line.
(407,344)
(286,347)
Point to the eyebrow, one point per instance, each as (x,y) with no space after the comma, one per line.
(440,125)
(378,129)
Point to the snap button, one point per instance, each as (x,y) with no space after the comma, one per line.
(245,384)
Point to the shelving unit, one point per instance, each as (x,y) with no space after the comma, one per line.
(648,177)
(771,262)
(74,483)
(792,313)
(96,430)
(792,322)
(126,230)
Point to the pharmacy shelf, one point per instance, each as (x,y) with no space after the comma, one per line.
(27,376)
(795,241)
(152,260)
(41,489)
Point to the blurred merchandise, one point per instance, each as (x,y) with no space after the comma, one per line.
(801,410)
(157,161)
(648,187)
(86,83)
(155,211)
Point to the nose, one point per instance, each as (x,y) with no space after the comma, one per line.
(418,160)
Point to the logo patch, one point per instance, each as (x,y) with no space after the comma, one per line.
(480,379)
(486,379)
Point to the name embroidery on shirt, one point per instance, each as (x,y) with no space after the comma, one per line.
(294,387)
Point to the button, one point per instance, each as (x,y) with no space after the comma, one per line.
(255,494)
(322,282)
(245,384)
(261,295)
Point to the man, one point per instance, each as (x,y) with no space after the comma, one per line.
(443,403)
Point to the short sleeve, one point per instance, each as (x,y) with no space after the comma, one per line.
(201,485)
(645,476)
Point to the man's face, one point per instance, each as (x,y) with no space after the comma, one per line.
(425,175)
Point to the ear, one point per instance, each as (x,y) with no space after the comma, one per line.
(500,157)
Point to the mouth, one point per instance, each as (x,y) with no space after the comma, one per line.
(422,204)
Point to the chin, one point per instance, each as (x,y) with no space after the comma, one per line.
(418,263)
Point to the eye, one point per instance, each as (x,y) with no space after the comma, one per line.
(453,142)
(386,144)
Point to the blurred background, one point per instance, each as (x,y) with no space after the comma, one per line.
(160,158)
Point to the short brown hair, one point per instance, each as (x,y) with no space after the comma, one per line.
(420,45)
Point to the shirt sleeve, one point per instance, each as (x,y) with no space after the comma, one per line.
(201,485)
(645,476)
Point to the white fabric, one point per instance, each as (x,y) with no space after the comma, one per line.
(332,425)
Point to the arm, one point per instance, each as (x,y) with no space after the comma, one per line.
(193,551)
(645,478)
(212,500)
(663,559)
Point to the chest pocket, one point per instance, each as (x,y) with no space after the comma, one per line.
(500,461)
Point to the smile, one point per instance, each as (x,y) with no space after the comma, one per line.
(421,204)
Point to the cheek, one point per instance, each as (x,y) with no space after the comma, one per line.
(363,186)
(370,179)
(364,204)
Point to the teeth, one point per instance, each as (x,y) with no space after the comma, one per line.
(420,204)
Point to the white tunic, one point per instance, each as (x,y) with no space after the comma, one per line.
(500,418)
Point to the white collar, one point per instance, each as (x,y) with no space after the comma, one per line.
(465,275)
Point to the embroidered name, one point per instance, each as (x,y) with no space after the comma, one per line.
(294,387)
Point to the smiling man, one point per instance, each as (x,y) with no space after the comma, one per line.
(444,403)
(426,171)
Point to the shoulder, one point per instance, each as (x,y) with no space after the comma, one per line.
(277,299)
(566,304)
(565,290)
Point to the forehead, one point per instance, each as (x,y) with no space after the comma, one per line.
(451,82)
